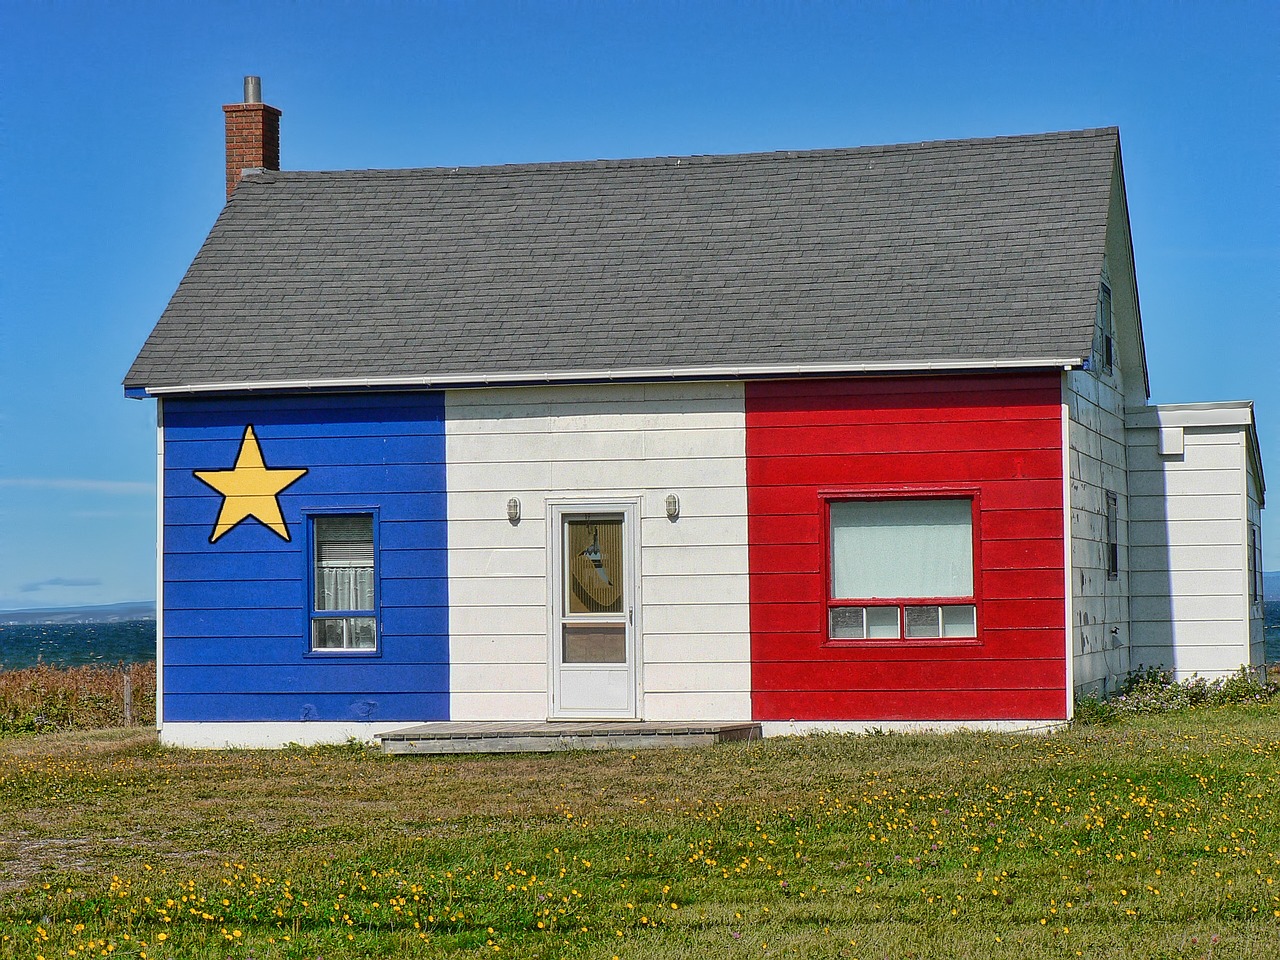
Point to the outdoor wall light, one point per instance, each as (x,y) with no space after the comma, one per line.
(513,510)
(673,506)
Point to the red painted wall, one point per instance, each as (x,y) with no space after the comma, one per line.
(998,435)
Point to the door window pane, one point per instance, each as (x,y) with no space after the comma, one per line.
(595,643)
(593,564)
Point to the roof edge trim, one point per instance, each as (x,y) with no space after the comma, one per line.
(578,376)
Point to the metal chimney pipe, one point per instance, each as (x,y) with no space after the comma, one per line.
(253,134)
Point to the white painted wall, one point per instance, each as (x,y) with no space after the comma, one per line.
(1189,509)
(597,443)
(1098,463)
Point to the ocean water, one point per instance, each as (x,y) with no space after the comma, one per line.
(76,644)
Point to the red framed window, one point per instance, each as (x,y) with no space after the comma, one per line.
(901,567)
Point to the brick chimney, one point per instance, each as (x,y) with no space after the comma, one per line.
(253,134)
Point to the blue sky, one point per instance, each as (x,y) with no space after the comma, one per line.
(111,173)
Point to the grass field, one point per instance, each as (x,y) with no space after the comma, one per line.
(1157,837)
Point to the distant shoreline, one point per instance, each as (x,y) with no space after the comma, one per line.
(91,613)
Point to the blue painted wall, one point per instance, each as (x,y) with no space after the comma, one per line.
(236,612)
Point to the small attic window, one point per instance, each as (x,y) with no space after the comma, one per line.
(1108,330)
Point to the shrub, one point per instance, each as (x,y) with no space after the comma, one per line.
(1155,691)
(44,697)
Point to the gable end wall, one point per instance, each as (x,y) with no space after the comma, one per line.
(1097,464)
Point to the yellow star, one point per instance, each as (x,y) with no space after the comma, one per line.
(250,489)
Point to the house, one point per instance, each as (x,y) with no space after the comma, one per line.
(827,439)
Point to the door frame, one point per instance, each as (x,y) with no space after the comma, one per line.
(557,510)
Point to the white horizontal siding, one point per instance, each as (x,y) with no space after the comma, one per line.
(698,616)
(1190,482)
(1205,583)
(1188,529)
(1097,463)
(1203,633)
(689,646)
(701,504)
(1183,607)
(1185,658)
(616,441)
(497,591)
(1207,506)
(479,621)
(1222,533)
(1214,448)
(699,676)
(488,650)
(664,590)
(1159,558)
(682,560)
(499,704)
(667,705)
(517,677)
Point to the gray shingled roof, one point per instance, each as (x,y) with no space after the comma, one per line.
(978,252)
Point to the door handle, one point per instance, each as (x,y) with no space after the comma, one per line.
(631,616)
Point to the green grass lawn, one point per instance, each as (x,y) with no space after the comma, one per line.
(1156,837)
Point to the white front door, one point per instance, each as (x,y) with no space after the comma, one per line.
(593,636)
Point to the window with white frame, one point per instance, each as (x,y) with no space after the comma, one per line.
(343,582)
(901,569)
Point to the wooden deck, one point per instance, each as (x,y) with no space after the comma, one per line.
(548,737)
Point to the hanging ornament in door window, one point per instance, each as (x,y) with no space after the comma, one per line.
(595,565)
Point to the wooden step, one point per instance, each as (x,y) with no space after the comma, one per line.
(552,736)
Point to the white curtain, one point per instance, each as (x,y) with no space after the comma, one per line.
(344,588)
(901,548)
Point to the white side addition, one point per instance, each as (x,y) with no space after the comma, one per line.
(1197,490)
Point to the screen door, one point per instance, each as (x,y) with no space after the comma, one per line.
(594,621)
